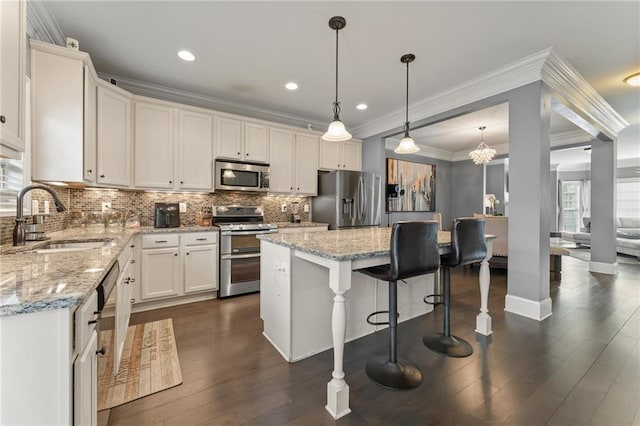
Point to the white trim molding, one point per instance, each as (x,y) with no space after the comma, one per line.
(603,268)
(42,24)
(157,91)
(537,310)
(565,82)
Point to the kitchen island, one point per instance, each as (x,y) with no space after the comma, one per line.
(296,270)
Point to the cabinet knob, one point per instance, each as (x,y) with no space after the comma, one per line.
(102,351)
(247,154)
(181,182)
(187,253)
(132,245)
(170,181)
(133,261)
(238,153)
(101,176)
(89,171)
(3,119)
(291,188)
(175,254)
(133,300)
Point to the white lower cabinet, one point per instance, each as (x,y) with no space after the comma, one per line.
(85,384)
(182,264)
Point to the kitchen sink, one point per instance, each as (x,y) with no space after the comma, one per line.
(59,246)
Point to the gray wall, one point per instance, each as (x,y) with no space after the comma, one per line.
(466,190)
(496,184)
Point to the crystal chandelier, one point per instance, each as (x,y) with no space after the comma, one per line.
(483,153)
(336,131)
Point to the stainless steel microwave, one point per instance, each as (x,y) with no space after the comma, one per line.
(242,176)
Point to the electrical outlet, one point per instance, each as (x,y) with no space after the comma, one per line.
(283,208)
(106,206)
(306,208)
(46,207)
(183,207)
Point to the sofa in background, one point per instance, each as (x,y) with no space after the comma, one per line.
(627,235)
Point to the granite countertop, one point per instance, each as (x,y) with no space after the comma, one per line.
(343,244)
(300,225)
(31,281)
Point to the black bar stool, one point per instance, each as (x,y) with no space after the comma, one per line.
(414,252)
(468,245)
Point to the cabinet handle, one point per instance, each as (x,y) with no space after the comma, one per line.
(95,321)
(133,280)
(175,254)
(126,280)
(132,245)
(102,351)
(201,239)
(133,300)
(133,261)
(3,119)
(89,171)
(101,176)
(160,241)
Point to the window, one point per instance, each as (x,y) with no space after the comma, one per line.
(11,182)
(628,197)
(571,206)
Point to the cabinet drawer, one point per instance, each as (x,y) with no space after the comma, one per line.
(84,321)
(200,238)
(160,240)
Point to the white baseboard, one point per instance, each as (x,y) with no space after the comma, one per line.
(603,268)
(537,310)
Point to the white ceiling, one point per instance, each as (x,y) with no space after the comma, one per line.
(247,51)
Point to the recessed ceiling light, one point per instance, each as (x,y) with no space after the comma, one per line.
(362,107)
(291,85)
(633,79)
(185,55)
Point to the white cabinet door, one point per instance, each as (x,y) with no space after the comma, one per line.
(13,30)
(85,384)
(200,268)
(229,138)
(281,167)
(306,164)
(57,85)
(256,144)
(160,273)
(114,137)
(123,313)
(90,105)
(352,155)
(153,145)
(330,157)
(195,150)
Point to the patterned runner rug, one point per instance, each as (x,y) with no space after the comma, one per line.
(149,364)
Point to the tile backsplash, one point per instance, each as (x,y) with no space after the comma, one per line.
(142,203)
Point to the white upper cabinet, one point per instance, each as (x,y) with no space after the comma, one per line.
(294,162)
(114,136)
(241,141)
(173,147)
(153,145)
(340,155)
(195,150)
(63,114)
(12,73)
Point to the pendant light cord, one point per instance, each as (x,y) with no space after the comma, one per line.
(406,121)
(336,104)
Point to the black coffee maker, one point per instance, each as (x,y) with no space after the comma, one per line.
(167,215)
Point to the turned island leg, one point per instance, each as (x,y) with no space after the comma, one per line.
(483,320)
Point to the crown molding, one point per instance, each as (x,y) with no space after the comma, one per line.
(510,76)
(42,24)
(570,137)
(564,81)
(209,102)
(570,87)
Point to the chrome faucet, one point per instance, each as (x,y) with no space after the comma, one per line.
(18,230)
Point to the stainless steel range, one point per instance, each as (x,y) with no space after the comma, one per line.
(239,247)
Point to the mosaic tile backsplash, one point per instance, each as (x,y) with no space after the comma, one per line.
(142,203)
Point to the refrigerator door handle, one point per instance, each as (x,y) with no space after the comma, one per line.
(363,200)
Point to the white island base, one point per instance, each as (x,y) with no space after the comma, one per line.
(296,303)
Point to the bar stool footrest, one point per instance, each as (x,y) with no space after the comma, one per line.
(381,322)
(452,346)
(395,376)
(437,299)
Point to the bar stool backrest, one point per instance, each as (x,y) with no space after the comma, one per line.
(414,249)
(468,241)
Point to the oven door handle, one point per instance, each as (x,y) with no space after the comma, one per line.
(238,256)
(269,231)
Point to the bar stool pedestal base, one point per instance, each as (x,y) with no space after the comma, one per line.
(452,346)
(395,376)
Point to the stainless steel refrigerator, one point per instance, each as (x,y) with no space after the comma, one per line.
(348,199)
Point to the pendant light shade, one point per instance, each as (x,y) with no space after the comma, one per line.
(336,131)
(483,153)
(407,145)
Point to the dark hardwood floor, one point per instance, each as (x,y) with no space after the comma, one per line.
(580,366)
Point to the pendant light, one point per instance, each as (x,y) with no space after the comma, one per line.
(407,145)
(336,131)
(483,153)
